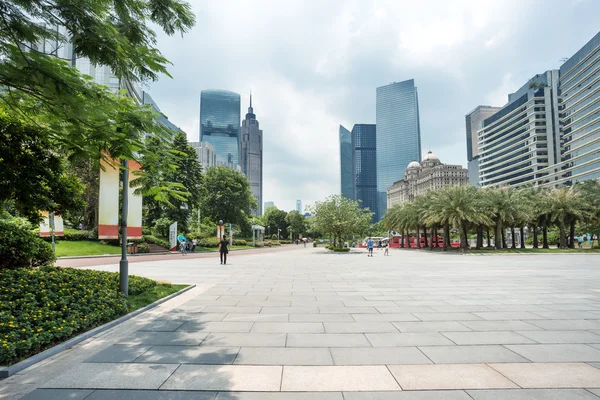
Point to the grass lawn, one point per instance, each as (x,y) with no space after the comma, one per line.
(150,296)
(84,248)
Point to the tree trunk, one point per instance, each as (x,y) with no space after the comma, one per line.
(498,235)
(445,241)
(572,234)
(522,231)
(513,244)
(402,239)
(463,235)
(535,236)
(504,246)
(479,241)
(418,238)
(545,237)
(425,236)
(562,233)
(489,243)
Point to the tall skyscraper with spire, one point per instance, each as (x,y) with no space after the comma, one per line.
(252,155)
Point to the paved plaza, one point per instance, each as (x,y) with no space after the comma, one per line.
(305,324)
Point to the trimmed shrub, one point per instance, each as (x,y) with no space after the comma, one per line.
(157,241)
(285,242)
(161,228)
(39,307)
(20,247)
(240,242)
(208,242)
(143,248)
(339,249)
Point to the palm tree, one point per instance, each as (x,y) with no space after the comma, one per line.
(502,204)
(566,205)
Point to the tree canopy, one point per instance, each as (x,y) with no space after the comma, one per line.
(340,216)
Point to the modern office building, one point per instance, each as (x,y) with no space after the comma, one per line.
(398,134)
(473,121)
(252,155)
(579,113)
(365,167)
(206,154)
(269,204)
(220,124)
(346,163)
(299,206)
(520,144)
(162,118)
(420,178)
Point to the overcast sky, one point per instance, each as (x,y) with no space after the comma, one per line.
(314,64)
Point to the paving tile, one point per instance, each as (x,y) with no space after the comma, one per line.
(245,339)
(469,309)
(327,340)
(255,318)
(113,376)
(337,378)
(279,396)
(567,324)
(216,327)
(568,315)
(407,339)
(532,394)
(359,327)
(440,326)
(284,356)
(551,375)
(289,310)
(384,317)
(322,317)
(369,303)
(411,395)
(447,316)
(556,352)
(378,356)
(165,338)
(488,337)
(508,315)
(167,325)
(449,376)
(483,326)
(595,391)
(189,355)
(516,307)
(232,309)
(287,327)
(150,395)
(200,317)
(57,394)
(569,337)
(470,354)
(118,353)
(348,310)
(225,377)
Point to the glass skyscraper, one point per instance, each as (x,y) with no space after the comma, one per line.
(398,135)
(220,124)
(252,155)
(347,167)
(365,167)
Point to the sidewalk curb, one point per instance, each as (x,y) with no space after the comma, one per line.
(5,372)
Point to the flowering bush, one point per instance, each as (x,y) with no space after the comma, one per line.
(19,247)
(40,307)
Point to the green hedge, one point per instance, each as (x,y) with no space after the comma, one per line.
(240,242)
(39,307)
(71,235)
(143,248)
(285,242)
(20,247)
(339,249)
(157,241)
(208,242)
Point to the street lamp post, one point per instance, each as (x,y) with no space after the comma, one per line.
(278,230)
(220,229)
(124,263)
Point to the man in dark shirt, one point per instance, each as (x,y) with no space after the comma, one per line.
(223,250)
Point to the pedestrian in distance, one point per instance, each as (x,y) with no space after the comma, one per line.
(182,243)
(580,241)
(194,243)
(370,248)
(387,248)
(223,250)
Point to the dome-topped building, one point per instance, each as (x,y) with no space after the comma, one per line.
(419,178)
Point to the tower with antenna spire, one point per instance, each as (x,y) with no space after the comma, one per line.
(251,155)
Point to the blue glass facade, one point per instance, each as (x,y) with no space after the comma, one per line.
(365,167)
(398,134)
(346,163)
(220,123)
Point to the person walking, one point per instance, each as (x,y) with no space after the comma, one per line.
(580,240)
(194,243)
(182,243)
(223,250)
(370,248)
(387,247)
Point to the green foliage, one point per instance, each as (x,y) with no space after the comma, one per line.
(66,248)
(240,242)
(285,241)
(143,248)
(274,219)
(157,241)
(296,223)
(340,216)
(71,235)
(208,242)
(150,296)
(160,228)
(39,307)
(20,247)
(226,196)
(34,176)
(339,249)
